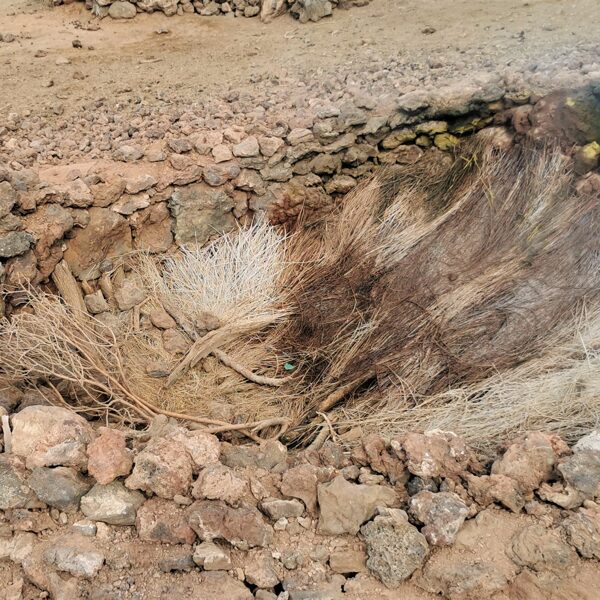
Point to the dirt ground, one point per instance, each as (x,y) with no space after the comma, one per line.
(193,55)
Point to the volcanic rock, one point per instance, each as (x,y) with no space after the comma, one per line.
(50,436)
(113,504)
(395,548)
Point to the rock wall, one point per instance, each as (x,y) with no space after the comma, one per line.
(172,180)
(104,513)
(303,10)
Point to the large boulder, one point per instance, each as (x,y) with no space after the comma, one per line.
(49,436)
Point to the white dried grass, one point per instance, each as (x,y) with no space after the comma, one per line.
(234,278)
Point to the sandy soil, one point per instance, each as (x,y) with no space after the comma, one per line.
(202,55)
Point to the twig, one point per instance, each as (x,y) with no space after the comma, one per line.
(247,373)
(335,397)
(180,320)
(329,425)
(318,442)
(200,349)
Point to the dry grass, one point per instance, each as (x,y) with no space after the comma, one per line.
(451,298)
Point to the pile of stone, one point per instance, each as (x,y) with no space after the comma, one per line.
(303,10)
(178,182)
(94,510)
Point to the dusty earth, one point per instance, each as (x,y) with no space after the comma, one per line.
(195,56)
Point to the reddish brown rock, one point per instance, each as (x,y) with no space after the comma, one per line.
(531,460)
(301,482)
(488,489)
(218,482)
(108,456)
(242,527)
(434,454)
(107,235)
(442,515)
(48,436)
(152,228)
(163,521)
(163,467)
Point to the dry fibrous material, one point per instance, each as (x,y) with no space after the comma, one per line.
(463,297)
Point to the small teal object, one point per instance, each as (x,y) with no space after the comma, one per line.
(289,366)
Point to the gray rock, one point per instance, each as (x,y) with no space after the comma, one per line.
(591,441)
(582,472)
(211,557)
(395,548)
(113,504)
(14,491)
(61,487)
(442,514)
(15,243)
(346,506)
(180,145)
(311,10)
(128,153)
(278,509)
(219,174)
(246,148)
(122,10)
(200,212)
(76,555)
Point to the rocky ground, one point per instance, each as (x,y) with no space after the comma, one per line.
(102,513)
(112,133)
